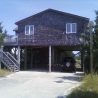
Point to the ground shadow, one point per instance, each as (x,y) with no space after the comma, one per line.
(60,96)
(37,70)
(71,78)
(80,74)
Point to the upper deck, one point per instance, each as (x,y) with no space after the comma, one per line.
(10,40)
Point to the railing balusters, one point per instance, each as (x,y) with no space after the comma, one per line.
(10,39)
(9,59)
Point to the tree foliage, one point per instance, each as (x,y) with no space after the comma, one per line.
(86,47)
(95,42)
(2,34)
(68,53)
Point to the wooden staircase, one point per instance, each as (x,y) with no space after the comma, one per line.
(9,61)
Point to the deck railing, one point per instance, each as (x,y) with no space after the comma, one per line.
(10,39)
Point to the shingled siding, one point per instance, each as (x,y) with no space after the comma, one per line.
(50,29)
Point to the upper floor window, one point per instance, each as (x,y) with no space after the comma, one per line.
(29,29)
(71,28)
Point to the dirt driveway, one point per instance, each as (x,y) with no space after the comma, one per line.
(33,84)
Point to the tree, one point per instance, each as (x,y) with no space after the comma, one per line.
(68,53)
(86,47)
(2,34)
(95,42)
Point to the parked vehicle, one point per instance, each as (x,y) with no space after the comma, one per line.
(68,64)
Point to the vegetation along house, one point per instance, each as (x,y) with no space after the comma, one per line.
(40,40)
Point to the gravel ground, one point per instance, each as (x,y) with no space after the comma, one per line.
(33,84)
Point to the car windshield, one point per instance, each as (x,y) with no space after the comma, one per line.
(69,59)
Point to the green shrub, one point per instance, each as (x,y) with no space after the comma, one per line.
(88,89)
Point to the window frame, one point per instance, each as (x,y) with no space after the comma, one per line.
(29,30)
(71,27)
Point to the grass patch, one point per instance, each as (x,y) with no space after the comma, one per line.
(78,62)
(88,89)
(4,72)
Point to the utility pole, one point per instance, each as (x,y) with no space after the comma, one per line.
(91,46)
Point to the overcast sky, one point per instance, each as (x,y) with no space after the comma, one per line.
(12,11)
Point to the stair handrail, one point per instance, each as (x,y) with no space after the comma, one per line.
(10,60)
(12,57)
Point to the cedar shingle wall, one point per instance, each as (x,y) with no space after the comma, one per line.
(50,29)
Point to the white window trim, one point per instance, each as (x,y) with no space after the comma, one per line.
(29,29)
(71,27)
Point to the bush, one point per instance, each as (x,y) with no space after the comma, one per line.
(88,89)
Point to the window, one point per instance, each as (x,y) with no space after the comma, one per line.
(29,29)
(71,28)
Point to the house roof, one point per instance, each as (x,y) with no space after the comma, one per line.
(52,10)
(16,29)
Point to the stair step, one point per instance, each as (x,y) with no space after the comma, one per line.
(10,62)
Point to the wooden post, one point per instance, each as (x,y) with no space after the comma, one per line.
(82,60)
(1,55)
(0,64)
(15,52)
(25,58)
(18,57)
(31,58)
(90,25)
(50,58)
(59,57)
(56,57)
(91,49)
(9,49)
(53,57)
(19,54)
(21,64)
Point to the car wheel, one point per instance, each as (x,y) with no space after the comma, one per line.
(74,71)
